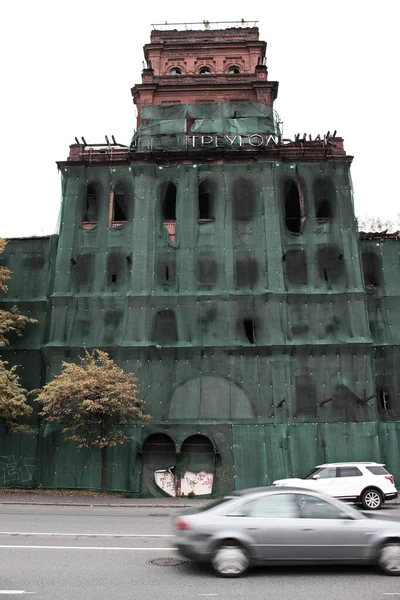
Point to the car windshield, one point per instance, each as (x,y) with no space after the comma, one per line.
(311,473)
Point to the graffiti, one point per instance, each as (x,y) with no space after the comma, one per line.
(16,469)
(199,484)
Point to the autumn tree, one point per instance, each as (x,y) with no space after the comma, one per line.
(13,404)
(90,400)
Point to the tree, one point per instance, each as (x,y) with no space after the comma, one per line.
(369,224)
(90,399)
(11,321)
(13,403)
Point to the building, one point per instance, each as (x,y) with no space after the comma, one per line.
(221,263)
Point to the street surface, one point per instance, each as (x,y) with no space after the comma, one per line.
(103,553)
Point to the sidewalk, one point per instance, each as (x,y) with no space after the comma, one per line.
(75,499)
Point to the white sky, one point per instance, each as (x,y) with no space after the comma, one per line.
(67,70)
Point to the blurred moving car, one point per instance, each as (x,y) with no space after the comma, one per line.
(366,483)
(285,526)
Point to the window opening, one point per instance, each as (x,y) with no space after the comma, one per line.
(205,71)
(326,275)
(167,273)
(205,202)
(323,199)
(119,213)
(90,214)
(175,71)
(246,271)
(244,195)
(292,207)
(371,263)
(324,212)
(384,399)
(169,201)
(114,278)
(250,330)
(233,70)
(296,266)
(165,328)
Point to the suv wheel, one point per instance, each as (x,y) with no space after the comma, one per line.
(230,560)
(371,499)
(389,558)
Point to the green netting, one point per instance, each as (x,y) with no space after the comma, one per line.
(240,295)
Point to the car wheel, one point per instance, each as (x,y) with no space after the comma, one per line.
(371,499)
(389,558)
(230,560)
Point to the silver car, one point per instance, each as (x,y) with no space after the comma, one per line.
(283,525)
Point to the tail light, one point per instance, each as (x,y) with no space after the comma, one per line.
(390,477)
(181,525)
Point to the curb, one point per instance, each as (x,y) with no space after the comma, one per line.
(29,503)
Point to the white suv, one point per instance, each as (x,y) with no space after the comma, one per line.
(367,483)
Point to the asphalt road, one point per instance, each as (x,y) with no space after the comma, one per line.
(103,553)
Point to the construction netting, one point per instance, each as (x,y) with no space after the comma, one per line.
(239,294)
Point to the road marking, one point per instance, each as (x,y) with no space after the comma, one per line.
(82,548)
(15,592)
(122,535)
(207,594)
(391,594)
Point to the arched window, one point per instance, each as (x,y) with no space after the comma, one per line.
(165,330)
(90,214)
(206,201)
(175,71)
(168,201)
(294,206)
(205,71)
(323,199)
(234,70)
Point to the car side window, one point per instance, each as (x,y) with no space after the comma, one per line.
(327,473)
(274,506)
(312,507)
(349,472)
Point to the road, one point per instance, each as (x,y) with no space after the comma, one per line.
(103,553)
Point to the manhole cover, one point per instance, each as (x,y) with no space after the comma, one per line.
(167,561)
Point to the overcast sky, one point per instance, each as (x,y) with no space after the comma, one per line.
(67,70)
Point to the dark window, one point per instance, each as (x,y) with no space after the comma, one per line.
(166,269)
(349,472)
(207,269)
(83,272)
(244,195)
(379,470)
(168,201)
(250,330)
(205,71)
(323,199)
(306,396)
(293,208)
(246,272)
(330,261)
(91,205)
(120,205)
(205,201)
(117,269)
(372,268)
(165,328)
(175,71)
(233,70)
(296,266)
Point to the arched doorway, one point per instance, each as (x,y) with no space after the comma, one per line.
(159,461)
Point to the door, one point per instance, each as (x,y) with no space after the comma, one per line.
(326,532)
